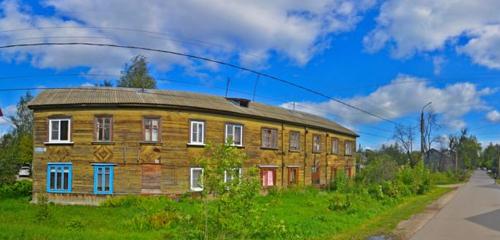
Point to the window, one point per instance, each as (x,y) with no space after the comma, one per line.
(293,174)
(269,138)
(103,178)
(197,136)
(316,143)
(268,176)
(335,145)
(103,128)
(196,181)
(151,129)
(234,133)
(294,141)
(59,177)
(59,130)
(348,148)
(231,174)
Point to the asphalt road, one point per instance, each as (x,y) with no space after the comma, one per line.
(473,214)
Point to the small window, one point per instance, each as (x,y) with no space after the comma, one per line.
(269,138)
(103,127)
(151,129)
(197,136)
(293,174)
(234,133)
(294,141)
(230,175)
(316,143)
(103,178)
(335,146)
(59,177)
(59,130)
(268,176)
(196,181)
(348,148)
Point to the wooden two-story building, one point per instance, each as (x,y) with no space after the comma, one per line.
(95,142)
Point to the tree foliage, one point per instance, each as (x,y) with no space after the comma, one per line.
(136,74)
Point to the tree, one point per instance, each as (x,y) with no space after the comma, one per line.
(105,83)
(405,136)
(23,120)
(431,124)
(136,75)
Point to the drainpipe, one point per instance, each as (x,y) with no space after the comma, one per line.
(305,154)
(282,154)
(326,159)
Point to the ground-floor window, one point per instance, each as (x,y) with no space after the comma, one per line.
(59,177)
(229,175)
(103,178)
(293,174)
(268,176)
(196,179)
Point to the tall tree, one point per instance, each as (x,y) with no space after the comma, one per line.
(23,120)
(136,74)
(405,136)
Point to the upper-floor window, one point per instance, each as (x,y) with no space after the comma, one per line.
(197,135)
(59,130)
(294,140)
(335,145)
(59,177)
(269,138)
(316,143)
(234,134)
(151,129)
(103,128)
(348,148)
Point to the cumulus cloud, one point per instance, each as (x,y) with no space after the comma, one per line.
(403,97)
(248,31)
(412,26)
(493,116)
(7,111)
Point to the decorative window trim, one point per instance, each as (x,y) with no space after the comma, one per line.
(225,174)
(96,129)
(191,180)
(234,126)
(265,169)
(201,140)
(61,167)
(111,168)
(50,140)
(290,141)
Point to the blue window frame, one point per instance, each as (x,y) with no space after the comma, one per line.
(103,178)
(59,177)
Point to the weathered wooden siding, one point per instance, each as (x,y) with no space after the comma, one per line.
(128,151)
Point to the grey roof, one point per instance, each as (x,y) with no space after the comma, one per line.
(167,98)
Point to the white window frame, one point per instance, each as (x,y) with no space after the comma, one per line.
(59,132)
(225,174)
(191,180)
(234,126)
(316,144)
(200,136)
(158,129)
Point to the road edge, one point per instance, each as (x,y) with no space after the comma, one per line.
(407,228)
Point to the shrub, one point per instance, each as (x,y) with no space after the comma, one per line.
(16,189)
(42,212)
(340,202)
(340,182)
(381,169)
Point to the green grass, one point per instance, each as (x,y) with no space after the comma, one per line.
(304,212)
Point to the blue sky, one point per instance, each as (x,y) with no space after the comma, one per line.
(387,57)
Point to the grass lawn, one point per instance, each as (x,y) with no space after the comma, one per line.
(304,213)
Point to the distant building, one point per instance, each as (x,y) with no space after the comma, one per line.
(95,142)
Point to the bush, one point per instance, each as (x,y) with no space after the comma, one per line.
(16,189)
(340,183)
(381,169)
(340,202)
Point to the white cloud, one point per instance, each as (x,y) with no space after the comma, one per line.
(7,111)
(412,26)
(493,116)
(249,31)
(87,84)
(404,97)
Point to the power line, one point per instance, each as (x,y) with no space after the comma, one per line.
(204,59)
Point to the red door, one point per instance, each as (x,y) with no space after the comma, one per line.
(315,174)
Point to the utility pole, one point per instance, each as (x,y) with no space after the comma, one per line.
(422,130)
